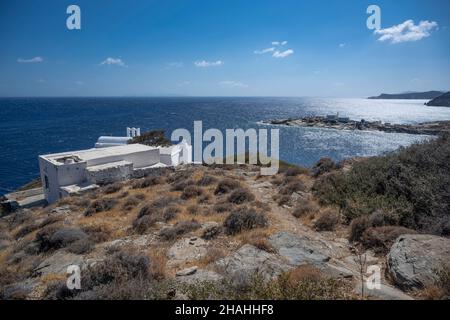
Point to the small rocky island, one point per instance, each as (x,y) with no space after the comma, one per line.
(345,123)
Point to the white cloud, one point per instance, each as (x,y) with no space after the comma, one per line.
(32,60)
(233,84)
(407,31)
(276,52)
(272,49)
(283,54)
(113,61)
(206,64)
(175,64)
(279,43)
(341,45)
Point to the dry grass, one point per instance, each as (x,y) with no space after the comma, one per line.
(257,238)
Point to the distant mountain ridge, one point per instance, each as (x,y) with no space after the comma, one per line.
(410,95)
(441,101)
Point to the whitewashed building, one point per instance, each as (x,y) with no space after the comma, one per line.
(66,173)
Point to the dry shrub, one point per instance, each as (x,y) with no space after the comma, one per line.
(52,238)
(206,180)
(193,209)
(191,191)
(380,239)
(179,229)
(441,288)
(240,196)
(97,233)
(327,221)
(100,205)
(259,240)
(130,203)
(124,275)
(304,207)
(357,228)
(142,224)
(204,198)
(282,200)
(295,171)
(170,213)
(158,264)
(291,187)
(212,255)
(226,185)
(181,185)
(243,219)
(81,246)
(221,207)
(112,188)
(211,232)
(147,182)
(322,166)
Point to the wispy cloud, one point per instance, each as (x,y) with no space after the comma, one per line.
(279,43)
(175,64)
(79,83)
(283,54)
(341,45)
(32,60)
(206,64)
(276,51)
(233,84)
(407,31)
(113,62)
(272,49)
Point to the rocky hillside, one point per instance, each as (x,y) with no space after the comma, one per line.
(216,232)
(441,101)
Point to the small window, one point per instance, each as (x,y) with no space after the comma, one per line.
(47,186)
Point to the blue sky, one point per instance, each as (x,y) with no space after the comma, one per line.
(215,48)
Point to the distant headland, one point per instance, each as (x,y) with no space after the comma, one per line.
(410,95)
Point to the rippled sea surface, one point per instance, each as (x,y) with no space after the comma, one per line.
(33,126)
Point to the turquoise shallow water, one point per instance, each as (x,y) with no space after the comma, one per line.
(33,126)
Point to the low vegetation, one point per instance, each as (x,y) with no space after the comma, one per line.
(411,186)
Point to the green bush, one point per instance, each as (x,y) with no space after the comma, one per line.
(411,186)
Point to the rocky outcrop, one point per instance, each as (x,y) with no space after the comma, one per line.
(441,101)
(414,259)
(249,261)
(187,249)
(298,251)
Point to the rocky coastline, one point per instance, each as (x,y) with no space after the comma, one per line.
(334,122)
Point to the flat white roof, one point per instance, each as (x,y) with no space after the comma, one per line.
(96,153)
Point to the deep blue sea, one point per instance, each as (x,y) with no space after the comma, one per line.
(33,126)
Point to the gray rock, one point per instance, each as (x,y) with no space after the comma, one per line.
(61,210)
(58,263)
(385,292)
(187,249)
(187,271)
(248,261)
(414,259)
(299,251)
(194,275)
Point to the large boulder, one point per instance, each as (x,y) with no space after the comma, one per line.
(299,251)
(414,259)
(249,261)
